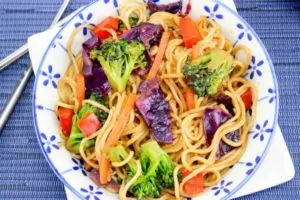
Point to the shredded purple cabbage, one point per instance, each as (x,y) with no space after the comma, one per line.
(212,120)
(155,110)
(225,148)
(97,82)
(227,102)
(95,176)
(95,78)
(147,33)
(86,48)
(174,7)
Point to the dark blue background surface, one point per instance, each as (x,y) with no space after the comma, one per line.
(24,173)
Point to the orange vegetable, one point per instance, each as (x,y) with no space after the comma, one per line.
(189,98)
(114,137)
(189,31)
(109,22)
(80,88)
(89,124)
(193,186)
(104,170)
(160,54)
(247,99)
(65,116)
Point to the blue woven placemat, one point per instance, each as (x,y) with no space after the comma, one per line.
(25,174)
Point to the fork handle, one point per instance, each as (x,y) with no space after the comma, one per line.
(13,56)
(13,99)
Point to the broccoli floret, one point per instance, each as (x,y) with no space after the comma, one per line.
(102,115)
(206,74)
(76,135)
(132,22)
(118,154)
(157,168)
(119,59)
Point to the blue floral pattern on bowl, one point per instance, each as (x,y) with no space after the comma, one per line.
(263,76)
(79,166)
(50,77)
(84,20)
(91,193)
(213,12)
(254,67)
(49,143)
(222,187)
(115,2)
(244,32)
(261,131)
(252,165)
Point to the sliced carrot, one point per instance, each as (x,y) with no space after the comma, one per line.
(189,31)
(114,136)
(194,53)
(189,98)
(160,54)
(104,170)
(80,88)
(193,186)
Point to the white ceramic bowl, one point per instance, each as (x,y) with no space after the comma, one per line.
(55,61)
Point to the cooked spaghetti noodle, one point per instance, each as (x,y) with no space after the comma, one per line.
(189,148)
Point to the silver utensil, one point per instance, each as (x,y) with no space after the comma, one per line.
(8,108)
(13,56)
(24,49)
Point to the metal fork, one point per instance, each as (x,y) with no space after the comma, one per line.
(8,108)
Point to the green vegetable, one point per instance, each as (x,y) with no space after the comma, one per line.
(206,74)
(75,138)
(76,135)
(157,169)
(132,22)
(102,115)
(118,154)
(119,59)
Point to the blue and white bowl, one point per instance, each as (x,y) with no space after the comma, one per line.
(55,61)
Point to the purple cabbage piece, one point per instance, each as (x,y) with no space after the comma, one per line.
(97,82)
(225,148)
(174,7)
(212,120)
(147,33)
(155,110)
(227,102)
(95,176)
(86,48)
(95,78)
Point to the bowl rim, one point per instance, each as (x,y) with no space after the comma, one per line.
(268,58)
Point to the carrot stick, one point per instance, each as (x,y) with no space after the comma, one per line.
(104,170)
(160,54)
(114,136)
(189,98)
(80,88)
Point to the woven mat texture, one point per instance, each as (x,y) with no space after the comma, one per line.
(25,174)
